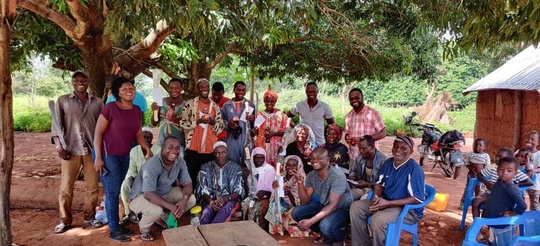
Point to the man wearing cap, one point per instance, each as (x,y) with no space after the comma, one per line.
(401,182)
(136,160)
(220,187)
(77,115)
(163,183)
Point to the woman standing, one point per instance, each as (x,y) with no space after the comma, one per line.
(170,114)
(270,133)
(118,126)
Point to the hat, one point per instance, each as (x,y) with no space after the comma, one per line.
(79,72)
(407,140)
(220,143)
(147,129)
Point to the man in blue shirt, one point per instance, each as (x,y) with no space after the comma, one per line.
(401,182)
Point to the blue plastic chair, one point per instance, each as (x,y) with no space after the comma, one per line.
(526,223)
(393,232)
(469,196)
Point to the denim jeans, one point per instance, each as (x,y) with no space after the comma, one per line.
(117,167)
(503,236)
(332,227)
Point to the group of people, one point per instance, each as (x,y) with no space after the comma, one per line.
(227,156)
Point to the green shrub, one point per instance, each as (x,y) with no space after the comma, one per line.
(32,121)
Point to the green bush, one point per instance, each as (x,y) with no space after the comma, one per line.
(32,121)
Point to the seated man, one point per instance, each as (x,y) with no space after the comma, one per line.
(331,210)
(365,170)
(153,189)
(136,160)
(401,183)
(219,187)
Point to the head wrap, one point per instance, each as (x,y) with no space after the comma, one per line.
(258,151)
(147,129)
(270,93)
(335,128)
(298,160)
(219,143)
(310,138)
(407,140)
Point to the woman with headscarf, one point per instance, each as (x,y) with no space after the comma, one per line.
(338,153)
(269,134)
(260,181)
(300,143)
(280,217)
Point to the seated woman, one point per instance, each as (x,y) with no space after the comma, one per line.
(337,152)
(260,187)
(280,217)
(300,143)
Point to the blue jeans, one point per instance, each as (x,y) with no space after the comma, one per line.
(503,236)
(117,167)
(332,227)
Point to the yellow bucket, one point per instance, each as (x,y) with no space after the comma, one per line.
(439,203)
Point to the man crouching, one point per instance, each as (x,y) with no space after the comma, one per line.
(156,182)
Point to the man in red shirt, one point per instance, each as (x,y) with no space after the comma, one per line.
(217,96)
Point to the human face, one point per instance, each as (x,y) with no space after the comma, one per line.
(269,103)
(332,137)
(356,100)
(203,88)
(479,146)
(521,156)
(319,160)
(258,160)
(221,155)
(170,150)
(80,83)
(531,141)
(217,95)
(301,134)
(291,167)
(127,91)
(499,155)
(148,136)
(366,151)
(239,92)
(506,172)
(401,152)
(311,92)
(175,88)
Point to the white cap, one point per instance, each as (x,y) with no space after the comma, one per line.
(220,143)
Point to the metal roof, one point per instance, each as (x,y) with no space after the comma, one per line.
(522,72)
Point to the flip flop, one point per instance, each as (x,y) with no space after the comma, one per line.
(321,240)
(94,223)
(61,228)
(146,236)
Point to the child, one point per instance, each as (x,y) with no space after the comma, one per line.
(476,161)
(505,200)
(489,176)
(524,156)
(531,142)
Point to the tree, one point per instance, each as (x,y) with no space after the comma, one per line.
(7,17)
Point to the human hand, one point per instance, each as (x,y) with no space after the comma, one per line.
(233,124)
(98,164)
(299,179)
(305,224)
(378,203)
(130,181)
(214,205)
(489,185)
(275,184)
(64,154)
(260,195)
(154,106)
(169,115)
(361,184)
(348,138)
(250,117)
(181,207)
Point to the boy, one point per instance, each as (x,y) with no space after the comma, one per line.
(505,200)
(489,176)
(476,162)
(531,142)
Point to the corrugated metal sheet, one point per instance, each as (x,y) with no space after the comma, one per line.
(520,73)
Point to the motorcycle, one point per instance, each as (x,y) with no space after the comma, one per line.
(443,150)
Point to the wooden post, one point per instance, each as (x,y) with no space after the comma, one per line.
(518,105)
(7,15)
(252,84)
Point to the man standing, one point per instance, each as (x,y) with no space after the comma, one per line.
(202,121)
(162,183)
(217,96)
(313,112)
(361,120)
(236,121)
(401,183)
(77,115)
(365,170)
(220,187)
(335,198)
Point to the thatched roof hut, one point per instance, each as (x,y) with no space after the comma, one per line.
(508,101)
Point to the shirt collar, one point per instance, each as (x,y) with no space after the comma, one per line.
(394,163)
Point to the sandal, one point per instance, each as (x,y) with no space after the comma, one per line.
(146,236)
(94,223)
(61,228)
(321,240)
(119,236)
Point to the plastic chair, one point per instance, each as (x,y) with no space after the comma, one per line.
(521,220)
(469,196)
(393,232)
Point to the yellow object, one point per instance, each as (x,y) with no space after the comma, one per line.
(195,210)
(439,203)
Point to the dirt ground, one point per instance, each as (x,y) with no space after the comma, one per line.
(36,180)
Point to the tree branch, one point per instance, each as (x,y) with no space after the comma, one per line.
(40,7)
(222,56)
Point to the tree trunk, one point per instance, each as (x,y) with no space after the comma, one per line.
(7,15)
(98,66)
(195,72)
